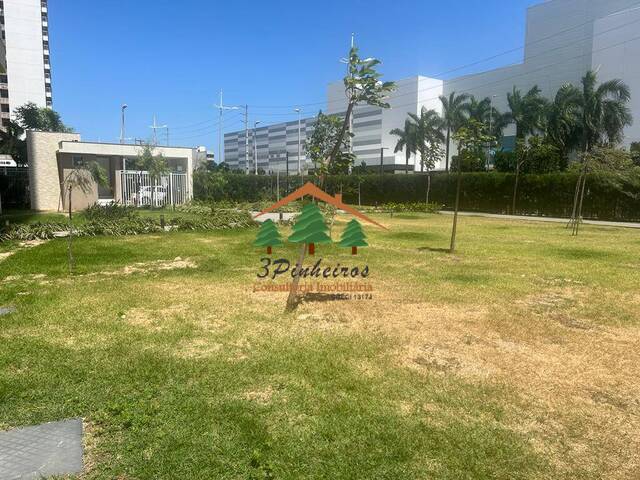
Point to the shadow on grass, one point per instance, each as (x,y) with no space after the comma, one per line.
(434,249)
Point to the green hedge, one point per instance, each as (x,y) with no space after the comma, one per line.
(547,194)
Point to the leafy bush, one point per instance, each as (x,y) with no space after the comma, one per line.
(117,228)
(132,225)
(32,231)
(111,211)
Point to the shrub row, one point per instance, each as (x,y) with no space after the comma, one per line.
(130,225)
(607,197)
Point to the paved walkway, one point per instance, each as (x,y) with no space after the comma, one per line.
(53,448)
(601,223)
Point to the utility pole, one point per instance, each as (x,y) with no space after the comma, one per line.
(167,135)
(287,186)
(155,128)
(299,112)
(222,108)
(246,138)
(382,149)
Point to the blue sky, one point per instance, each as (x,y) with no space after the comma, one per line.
(171,58)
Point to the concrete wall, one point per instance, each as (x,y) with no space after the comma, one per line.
(616,57)
(44,175)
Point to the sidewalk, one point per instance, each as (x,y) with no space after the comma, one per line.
(601,223)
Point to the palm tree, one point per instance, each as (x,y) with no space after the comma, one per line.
(429,138)
(526,111)
(428,129)
(407,140)
(453,114)
(479,110)
(83,176)
(563,119)
(604,113)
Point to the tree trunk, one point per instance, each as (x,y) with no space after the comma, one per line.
(576,225)
(70,236)
(406,157)
(454,228)
(576,195)
(354,250)
(515,188)
(446,162)
(336,147)
(292,299)
(428,186)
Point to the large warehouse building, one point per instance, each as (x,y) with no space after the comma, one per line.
(564,39)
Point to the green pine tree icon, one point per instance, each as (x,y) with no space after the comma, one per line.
(310,228)
(268,236)
(353,237)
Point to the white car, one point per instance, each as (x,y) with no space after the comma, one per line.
(156,194)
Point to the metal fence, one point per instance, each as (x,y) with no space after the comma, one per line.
(137,188)
(14,187)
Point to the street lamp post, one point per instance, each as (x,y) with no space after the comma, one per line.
(490,126)
(299,112)
(255,147)
(123,108)
(382,149)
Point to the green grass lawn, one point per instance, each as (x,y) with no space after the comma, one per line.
(517,357)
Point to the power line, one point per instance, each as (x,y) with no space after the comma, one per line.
(543,67)
(475,63)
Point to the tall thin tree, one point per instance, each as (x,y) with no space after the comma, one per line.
(453,114)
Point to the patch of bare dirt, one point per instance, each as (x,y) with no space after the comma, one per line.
(262,396)
(32,243)
(197,348)
(5,255)
(154,319)
(577,380)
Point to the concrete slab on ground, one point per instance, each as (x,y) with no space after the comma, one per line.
(53,448)
(273,216)
(601,223)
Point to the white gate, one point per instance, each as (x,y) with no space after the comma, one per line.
(137,188)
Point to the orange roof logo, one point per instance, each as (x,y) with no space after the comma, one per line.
(319,194)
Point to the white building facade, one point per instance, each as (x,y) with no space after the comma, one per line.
(564,39)
(25,33)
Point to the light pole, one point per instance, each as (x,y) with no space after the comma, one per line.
(123,107)
(382,149)
(490,126)
(255,147)
(299,112)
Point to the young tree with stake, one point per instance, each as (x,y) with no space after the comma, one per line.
(362,86)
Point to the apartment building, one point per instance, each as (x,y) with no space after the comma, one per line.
(564,39)
(25,38)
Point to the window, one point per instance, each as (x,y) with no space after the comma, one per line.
(3,78)
(4,93)
(5,107)
(46,59)
(76,161)
(5,122)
